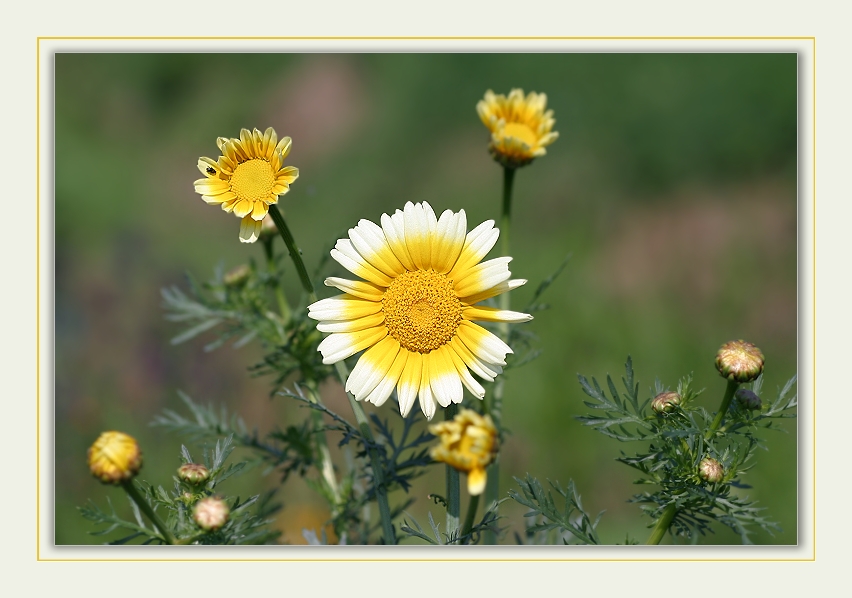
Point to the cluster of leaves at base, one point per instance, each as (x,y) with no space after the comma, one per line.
(244,310)
(676,446)
(245,525)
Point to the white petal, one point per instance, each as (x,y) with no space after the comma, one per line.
(346,255)
(369,240)
(477,244)
(427,401)
(352,325)
(409,382)
(444,379)
(341,345)
(498,289)
(384,389)
(469,381)
(373,365)
(342,307)
(482,343)
(357,288)
(492,314)
(448,240)
(394,229)
(483,276)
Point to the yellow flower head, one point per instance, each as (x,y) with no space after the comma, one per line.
(248,177)
(468,444)
(115,457)
(414,311)
(520,127)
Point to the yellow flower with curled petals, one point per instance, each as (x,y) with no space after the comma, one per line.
(114,457)
(520,127)
(468,444)
(415,310)
(248,177)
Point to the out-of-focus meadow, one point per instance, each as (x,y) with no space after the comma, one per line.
(672,185)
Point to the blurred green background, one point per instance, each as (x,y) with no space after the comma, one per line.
(673,186)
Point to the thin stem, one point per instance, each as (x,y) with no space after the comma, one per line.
(453,491)
(343,374)
(723,408)
(327,468)
(143,505)
(469,517)
(378,474)
(283,307)
(295,254)
(495,406)
(662,526)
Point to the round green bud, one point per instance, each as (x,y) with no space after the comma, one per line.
(748,399)
(193,473)
(665,402)
(237,277)
(739,361)
(211,513)
(711,470)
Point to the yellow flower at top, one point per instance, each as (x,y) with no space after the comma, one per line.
(248,177)
(115,457)
(415,310)
(520,127)
(468,444)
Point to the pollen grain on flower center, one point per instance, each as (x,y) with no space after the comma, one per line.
(521,132)
(421,310)
(253,180)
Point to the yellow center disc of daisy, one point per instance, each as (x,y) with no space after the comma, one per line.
(253,180)
(520,132)
(421,310)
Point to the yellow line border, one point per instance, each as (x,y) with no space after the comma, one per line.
(398,38)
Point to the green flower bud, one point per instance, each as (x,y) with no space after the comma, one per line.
(665,402)
(710,470)
(268,228)
(739,361)
(193,473)
(748,399)
(237,277)
(211,513)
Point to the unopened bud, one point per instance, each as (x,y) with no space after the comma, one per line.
(665,402)
(115,457)
(739,361)
(748,399)
(267,227)
(211,513)
(711,470)
(193,473)
(237,277)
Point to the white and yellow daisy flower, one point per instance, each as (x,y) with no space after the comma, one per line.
(248,177)
(414,310)
(520,127)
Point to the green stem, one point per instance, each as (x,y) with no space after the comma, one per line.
(495,406)
(327,467)
(283,307)
(468,519)
(378,475)
(453,486)
(343,374)
(662,525)
(723,409)
(295,254)
(143,505)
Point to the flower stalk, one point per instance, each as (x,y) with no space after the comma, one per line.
(453,485)
(143,505)
(343,374)
(723,408)
(495,407)
(295,253)
(469,517)
(662,526)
